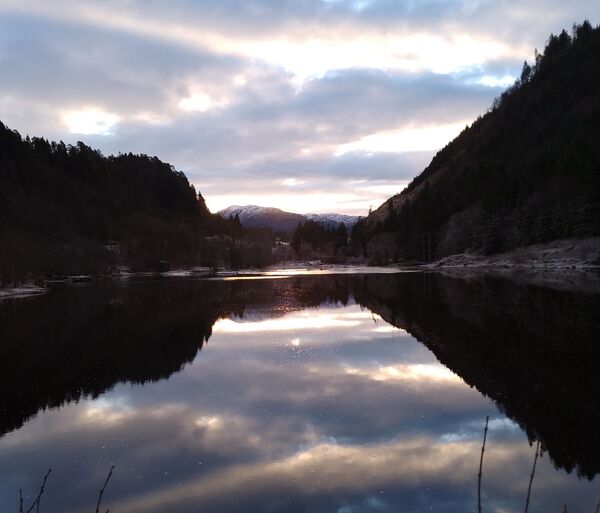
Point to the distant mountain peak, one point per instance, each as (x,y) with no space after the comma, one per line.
(255,216)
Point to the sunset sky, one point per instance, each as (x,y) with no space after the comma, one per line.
(306,105)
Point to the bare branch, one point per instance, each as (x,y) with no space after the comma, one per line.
(481,465)
(537,452)
(104,488)
(38,499)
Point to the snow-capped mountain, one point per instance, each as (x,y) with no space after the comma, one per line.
(333,220)
(279,220)
(253,216)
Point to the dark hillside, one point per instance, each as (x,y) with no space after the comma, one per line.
(526,172)
(76,191)
(60,204)
(70,210)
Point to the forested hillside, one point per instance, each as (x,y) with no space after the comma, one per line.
(70,210)
(528,171)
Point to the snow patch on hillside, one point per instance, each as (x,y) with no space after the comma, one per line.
(331,220)
(250,214)
(249,211)
(560,254)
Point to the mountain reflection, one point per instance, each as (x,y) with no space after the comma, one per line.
(80,341)
(533,350)
(313,394)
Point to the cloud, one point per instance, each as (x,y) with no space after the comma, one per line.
(270,417)
(312,135)
(257,93)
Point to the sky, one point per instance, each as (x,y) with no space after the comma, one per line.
(305,105)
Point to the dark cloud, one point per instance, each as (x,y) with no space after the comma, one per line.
(65,65)
(236,90)
(529,23)
(269,133)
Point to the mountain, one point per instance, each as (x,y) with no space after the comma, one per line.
(501,333)
(76,191)
(333,220)
(71,210)
(253,216)
(526,172)
(278,220)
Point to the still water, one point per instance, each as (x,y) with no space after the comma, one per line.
(331,393)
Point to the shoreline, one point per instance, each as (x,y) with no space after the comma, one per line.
(22,291)
(581,255)
(524,263)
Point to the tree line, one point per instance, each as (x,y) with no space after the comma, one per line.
(68,209)
(311,239)
(525,172)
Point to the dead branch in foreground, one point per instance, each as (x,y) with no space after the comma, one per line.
(36,503)
(481,465)
(104,488)
(38,499)
(537,453)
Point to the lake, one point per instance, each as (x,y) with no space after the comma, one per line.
(336,393)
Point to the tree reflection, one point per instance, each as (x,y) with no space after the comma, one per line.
(531,349)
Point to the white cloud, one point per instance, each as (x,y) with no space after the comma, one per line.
(269,95)
(494,81)
(292,182)
(405,140)
(199,102)
(90,121)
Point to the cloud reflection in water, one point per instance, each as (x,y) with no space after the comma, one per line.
(328,409)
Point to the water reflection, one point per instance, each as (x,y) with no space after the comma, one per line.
(298,321)
(312,395)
